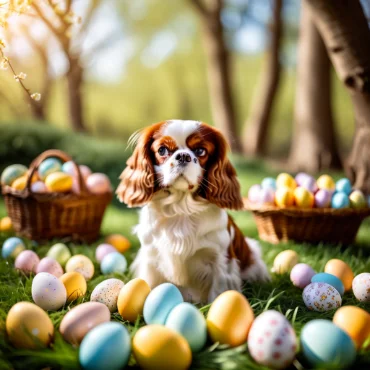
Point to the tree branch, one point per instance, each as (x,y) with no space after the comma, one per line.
(199,6)
(46,20)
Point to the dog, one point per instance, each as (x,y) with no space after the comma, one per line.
(180,175)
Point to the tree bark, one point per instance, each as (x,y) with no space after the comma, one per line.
(344,29)
(256,128)
(314,145)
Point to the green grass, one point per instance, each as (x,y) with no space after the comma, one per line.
(279,294)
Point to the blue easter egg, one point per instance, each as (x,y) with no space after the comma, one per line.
(107,346)
(159,303)
(12,247)
(12,173)
(68,167)
(190,323)
(324,277)
(340,200)
(325,344)
(343,185)
(49,166)
(113,263)
(268,183)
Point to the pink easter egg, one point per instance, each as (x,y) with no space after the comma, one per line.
(266,196)
(301,275)
(301,176)
(309,183)
(85,171)
(253,193)
(27,261)
(103,250)
(98,183)
(323,198)
(50,265)
(39,187)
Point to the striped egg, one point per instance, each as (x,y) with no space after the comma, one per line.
(11,173)
(49,166)
(107,293)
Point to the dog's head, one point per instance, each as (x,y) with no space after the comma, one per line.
(187,156)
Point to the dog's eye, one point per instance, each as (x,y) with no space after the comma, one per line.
(162,151)
(200,152)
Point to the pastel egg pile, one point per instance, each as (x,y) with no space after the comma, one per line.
(304,191)
(53,176)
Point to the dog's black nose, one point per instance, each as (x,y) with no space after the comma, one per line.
(183,158)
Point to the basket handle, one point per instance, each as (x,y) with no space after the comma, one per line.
(60,155)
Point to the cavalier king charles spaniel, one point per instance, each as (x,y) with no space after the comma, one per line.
(180,175)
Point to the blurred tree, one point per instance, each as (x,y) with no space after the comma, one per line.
(219,69)
(314,145)
(345,31)
(256,128)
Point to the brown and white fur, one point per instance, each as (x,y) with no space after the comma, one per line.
(180,175)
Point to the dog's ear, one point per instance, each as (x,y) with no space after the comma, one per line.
(222,185)
(138,179)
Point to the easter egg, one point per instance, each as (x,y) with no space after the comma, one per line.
(59,182)
(309,183)
(323,198)
(285,261)
(119,242)
(190,323)
(300,177)
(355,322)
(266,196)
(361,287)
(159,303)
(98,183)
(11,173)
(20,183)
(343,185)
(357,199)
(342,271)
(28,326)
(102,250)
(49,166)
(272,341)
(230,318)
(303,198)
(48,292)
(113,263)
(107,293)
(131,299)
(50,265)
(285,180)
(301,275)
(268,183)
(321,297)
(340,200)
(326,182)
(27,262)
(158,347)
(6,224)
(39,187)
(284,197)
(82,264)
(81,319)
(108,343)
(253,193)
(75,285)
(60,252)
(12,247)
(326,345)
(324,277)
(69,167)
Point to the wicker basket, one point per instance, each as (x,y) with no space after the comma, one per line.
(44,216)
(336,226)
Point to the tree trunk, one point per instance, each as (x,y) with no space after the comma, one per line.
(314,145)
(344,29)
(256,128)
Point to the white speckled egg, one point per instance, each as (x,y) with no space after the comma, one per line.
(82,264)
(48,292)
(107,293)
(321,297)
(361,287)
(50,265)
(272,341)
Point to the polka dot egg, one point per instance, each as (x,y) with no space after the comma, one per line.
(82,264)
(107,293)
(361,287)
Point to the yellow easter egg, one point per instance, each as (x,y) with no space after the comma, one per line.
(75,285)
(303,198)
(82,264)
(59,182)
(285,261)
(342,271)
(355,322)
(119,242)
(285,180)
(284,197)
(28,326)
(19,183)
(6,224)
(158,347)
(357,199)
(326,182)
(131,299)
(230,318)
